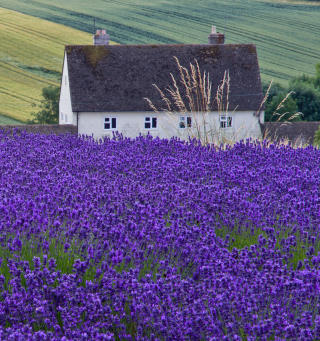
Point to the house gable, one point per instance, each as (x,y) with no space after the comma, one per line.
(65,106)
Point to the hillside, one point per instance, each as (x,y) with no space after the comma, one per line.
(286,34)
(31,56)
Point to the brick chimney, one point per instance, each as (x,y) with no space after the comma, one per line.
(101,38)
(215,37)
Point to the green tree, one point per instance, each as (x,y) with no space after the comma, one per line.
(305,91)
(307,97)
(277,111)
(275,89)
(316,141)
(49,108)
(317,80)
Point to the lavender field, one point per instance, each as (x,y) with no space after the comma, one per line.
(152,239)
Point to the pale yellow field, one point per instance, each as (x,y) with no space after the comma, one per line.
(31,57)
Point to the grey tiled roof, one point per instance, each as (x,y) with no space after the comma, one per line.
(114,78)
(298,133)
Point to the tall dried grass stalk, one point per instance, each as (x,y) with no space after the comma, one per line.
(198,90)
(273,137)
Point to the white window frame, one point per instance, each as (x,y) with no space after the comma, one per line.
(183,120)
(149,119)
(109,118)
(225,121)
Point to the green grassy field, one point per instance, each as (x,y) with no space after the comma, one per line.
(9,121)
(286,34)
(31,57)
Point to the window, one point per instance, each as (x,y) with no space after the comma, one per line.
(110,123)
(65,80)
(66,118)
(225,121)
(61,116)
(183,120)
(150,123)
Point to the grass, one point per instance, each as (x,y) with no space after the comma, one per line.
(31,57)
(244,238)
(33,247)
(9,121)
(285,33)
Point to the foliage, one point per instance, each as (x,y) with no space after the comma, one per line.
(281,109)
(49,107)
(285,34)
(304,98)
(149,239)
(307,97)
(316,141)
(275,89)
(317,78)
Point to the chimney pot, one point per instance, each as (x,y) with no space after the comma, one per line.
(98,32)
(213,31)
(103,32)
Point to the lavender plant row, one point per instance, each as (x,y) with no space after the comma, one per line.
(151,239)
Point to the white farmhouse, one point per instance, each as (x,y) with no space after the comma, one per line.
(104,88)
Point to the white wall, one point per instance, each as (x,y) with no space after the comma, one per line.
(130,124)
(65,99)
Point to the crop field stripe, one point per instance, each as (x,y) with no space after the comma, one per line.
(31,36)
(284,66)
(264,37)
(8,105)
(278,43)
(280,19)
(26,74)
(30,59)
(187,17)
(285,34)
(18,96)
(9,121)
(199,20)
(28,31)
(273,18)
(281,44)
(274,74)
(5,110)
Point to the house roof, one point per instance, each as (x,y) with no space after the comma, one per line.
(298,133)
(111,78)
